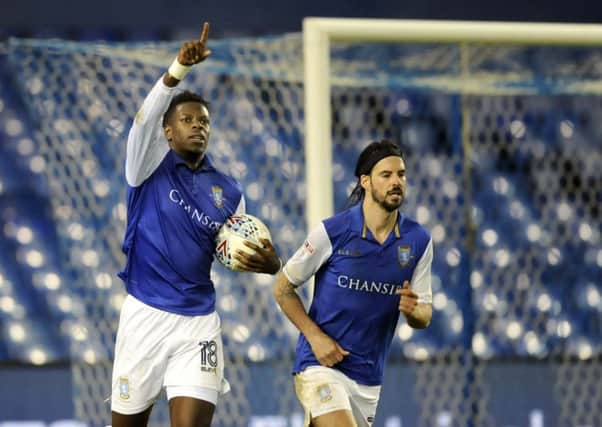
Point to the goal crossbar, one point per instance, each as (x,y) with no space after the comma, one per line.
(319,32)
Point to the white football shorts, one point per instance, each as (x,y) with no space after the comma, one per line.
(322,390)
(156,349)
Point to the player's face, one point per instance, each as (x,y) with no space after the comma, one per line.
(188,129)
(388,183)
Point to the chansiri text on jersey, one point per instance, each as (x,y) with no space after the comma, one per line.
(199,216)
(367,286)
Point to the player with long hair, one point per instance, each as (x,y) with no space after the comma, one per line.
(371,263)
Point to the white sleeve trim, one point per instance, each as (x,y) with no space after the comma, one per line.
(146,145)
(309,257)
(421,279)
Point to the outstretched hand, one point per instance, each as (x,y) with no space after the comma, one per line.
(264,259)
(195,51)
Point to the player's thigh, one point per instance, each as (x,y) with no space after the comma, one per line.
(324,397)
(364,401)
(141,356)
(341,418)
(133,420)
(190,412)
(197,360)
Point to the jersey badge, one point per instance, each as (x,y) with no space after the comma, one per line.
(124,388)
(324,393)
(404,255)
(217,194)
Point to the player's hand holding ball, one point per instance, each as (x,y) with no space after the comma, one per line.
(244,243)
(262,259)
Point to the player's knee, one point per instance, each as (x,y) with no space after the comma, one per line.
(187,412)
(197,422)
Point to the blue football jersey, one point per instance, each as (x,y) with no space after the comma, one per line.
(173,216)
(356,279)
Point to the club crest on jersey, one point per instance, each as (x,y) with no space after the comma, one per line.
(124,388)
(404,255)
(324,393)
(217,194)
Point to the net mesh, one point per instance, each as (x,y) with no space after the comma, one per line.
(502,147)
(82,98)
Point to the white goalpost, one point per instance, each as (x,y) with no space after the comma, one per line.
(318,33)
(500,125)
(520,103)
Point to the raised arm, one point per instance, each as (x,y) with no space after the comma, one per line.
(147,146)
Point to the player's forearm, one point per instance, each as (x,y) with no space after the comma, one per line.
(169,80)
(153,107)
(143,147)
(289,301)
(421,316)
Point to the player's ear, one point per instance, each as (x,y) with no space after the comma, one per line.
(168,132)
(365,182)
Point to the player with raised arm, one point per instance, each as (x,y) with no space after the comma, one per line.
(370,263)
(169,334)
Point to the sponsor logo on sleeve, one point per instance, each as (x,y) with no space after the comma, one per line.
(308,247)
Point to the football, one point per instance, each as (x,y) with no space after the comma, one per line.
(232,235)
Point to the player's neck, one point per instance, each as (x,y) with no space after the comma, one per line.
(379,221)
(193,161)
(196,163)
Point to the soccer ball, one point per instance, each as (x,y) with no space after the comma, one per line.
(232,235)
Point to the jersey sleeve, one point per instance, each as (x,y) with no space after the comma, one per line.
(146,145)
(421,279)
(308,259)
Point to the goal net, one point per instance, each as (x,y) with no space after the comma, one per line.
(499,125)
(502,147)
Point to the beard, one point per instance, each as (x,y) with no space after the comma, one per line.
(382,201)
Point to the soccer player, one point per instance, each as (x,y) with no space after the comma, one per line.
(370,263)
(169,334)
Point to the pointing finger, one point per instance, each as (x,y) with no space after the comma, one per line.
(205,33)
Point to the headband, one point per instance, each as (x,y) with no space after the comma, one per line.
(376,156)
